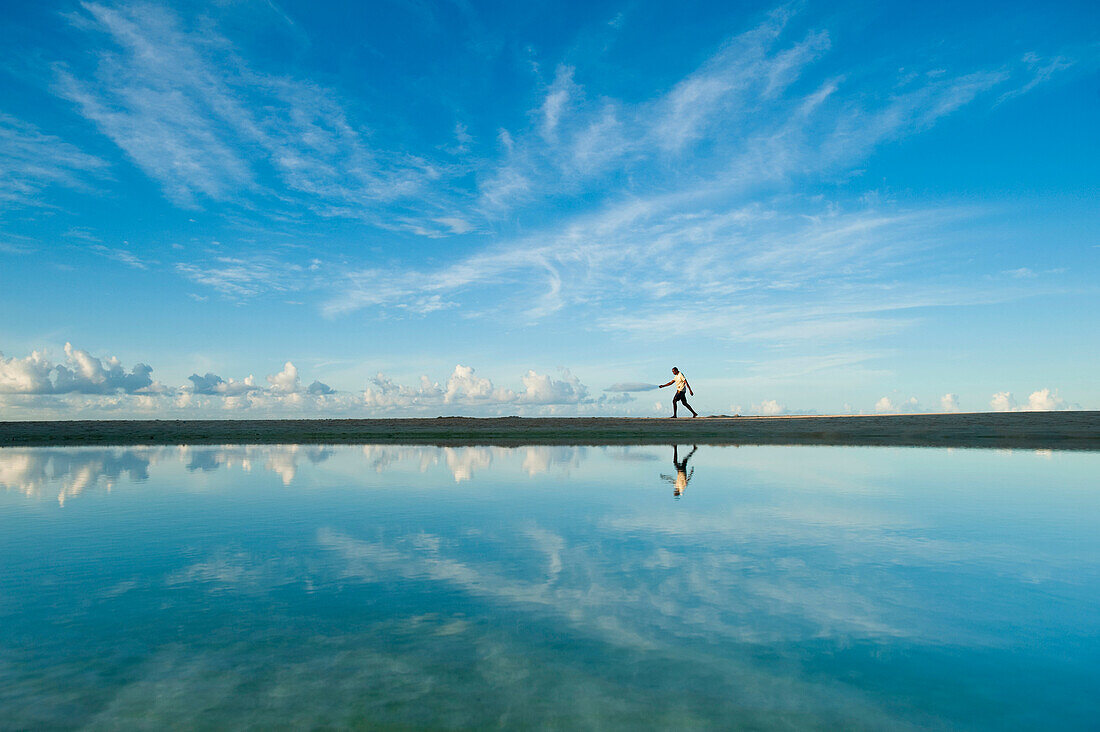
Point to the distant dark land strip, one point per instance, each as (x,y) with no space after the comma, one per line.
(1031,430)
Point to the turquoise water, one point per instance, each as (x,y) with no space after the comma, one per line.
(304,586)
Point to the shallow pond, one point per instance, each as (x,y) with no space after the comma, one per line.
(302,586)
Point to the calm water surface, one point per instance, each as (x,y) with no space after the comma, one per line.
(300,586)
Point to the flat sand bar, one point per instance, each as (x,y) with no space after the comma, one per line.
(1030,430)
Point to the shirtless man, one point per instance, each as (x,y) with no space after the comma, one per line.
(682,384)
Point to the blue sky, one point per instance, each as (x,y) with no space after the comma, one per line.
(455,208)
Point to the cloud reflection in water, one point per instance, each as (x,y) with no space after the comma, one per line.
(786,584)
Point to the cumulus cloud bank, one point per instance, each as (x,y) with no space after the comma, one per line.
(214,384)
(319,388)
(82,384)
(464,388)
(1042,400)
(886,405)
(80,373)
(286,381)
(39,387)
(769,408)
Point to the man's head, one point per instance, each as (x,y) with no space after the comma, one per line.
(675,370)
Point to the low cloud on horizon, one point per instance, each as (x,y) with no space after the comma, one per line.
(631,386)
(37,386)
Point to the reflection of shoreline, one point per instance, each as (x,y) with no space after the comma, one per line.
(464,462)
(40,472)
(279,459)
(66,472)
(1034,430)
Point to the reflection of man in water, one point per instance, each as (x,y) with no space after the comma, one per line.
(679,483)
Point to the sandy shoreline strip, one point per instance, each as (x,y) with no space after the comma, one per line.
(1032,430)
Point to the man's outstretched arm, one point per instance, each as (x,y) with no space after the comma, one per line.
(662,386)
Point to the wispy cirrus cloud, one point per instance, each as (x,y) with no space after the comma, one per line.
(752,273)
(241,277)
(753,114)
(197,118)
(123,256)
(1041,70)
(694,208)
(212,126)
(16,244)
(698,211)
(32,161)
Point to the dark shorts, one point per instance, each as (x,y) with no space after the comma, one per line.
(680,396)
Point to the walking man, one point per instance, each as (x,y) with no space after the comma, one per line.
(682,385)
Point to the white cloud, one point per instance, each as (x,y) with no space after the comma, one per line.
(184,106)
(32,162)
(464,389)
(211,383)
(81,373)
(742,266)
(1041,400)
(728,125)
(197,118)
(624,386)
(1044,400)
(247,276)
(286,381)
(557,100)
(769,408)
(541,389)
(30,375)
(1002,401)
(320,388)
(887,405)
(1040,69)
(123,256)
(13,244)
(85,385)
(455,224)
(716,90)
